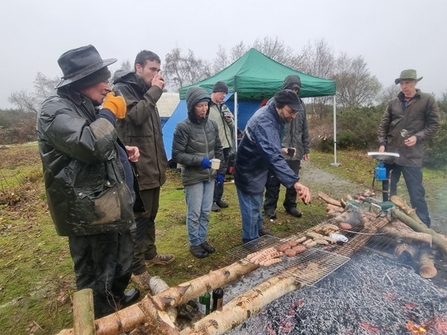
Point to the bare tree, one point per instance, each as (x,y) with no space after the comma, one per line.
(388,93)
(221,61)
(316,59)
(24,101)
(126,66)
(238,51)
(355,85)
(275,49)
(31,102)
(182,70)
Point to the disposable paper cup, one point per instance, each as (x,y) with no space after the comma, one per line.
(215,163)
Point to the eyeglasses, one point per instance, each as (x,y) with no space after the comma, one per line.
(290,111)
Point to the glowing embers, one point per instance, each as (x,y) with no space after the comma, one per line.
(416,329)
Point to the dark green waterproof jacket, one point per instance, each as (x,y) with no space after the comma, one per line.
(419,117)
(84,177)
(142,128)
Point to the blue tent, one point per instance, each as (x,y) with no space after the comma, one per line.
(251,79)
(246,109)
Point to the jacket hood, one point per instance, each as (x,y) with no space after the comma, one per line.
(130,78)
(291,82)
(193,96)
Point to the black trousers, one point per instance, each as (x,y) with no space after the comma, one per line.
(144,234)
(103,262)
(413,181)
(272,189)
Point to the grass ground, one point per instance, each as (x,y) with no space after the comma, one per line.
(36,275)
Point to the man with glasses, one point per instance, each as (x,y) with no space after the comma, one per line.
(260,152)
(295,146)
(141,89)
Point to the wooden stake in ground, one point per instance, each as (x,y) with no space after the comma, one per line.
(83,312)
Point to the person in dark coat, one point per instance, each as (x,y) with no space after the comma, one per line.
(409,119)
(196,142)
(142,88)
(295,138)
(221,114)
(260,152)
(88,177)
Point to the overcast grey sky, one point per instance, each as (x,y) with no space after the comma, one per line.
(391,34)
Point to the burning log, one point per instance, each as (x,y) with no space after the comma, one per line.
(426,265)
(437,239)
(400,230)
(329,200)
(405,253)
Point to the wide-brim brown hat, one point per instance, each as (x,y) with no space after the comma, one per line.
(79,63)
(409,74)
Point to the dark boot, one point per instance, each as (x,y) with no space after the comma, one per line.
(198,251)
(208,248)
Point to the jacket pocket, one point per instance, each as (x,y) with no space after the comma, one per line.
(101,204)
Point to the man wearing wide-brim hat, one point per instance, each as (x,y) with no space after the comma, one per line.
(88,177)
(409,119)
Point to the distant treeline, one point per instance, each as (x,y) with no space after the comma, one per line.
(17,127)
(356,130)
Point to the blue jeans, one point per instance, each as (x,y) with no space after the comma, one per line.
(199,199)
(251,213)
(413,180)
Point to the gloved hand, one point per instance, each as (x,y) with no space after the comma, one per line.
(206,163)
(117,105)
(220,178)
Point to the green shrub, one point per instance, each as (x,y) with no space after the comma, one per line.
(356,129)
(435,150)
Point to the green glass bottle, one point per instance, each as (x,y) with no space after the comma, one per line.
(204,303)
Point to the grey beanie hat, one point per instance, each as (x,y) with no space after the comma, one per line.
(220,86)
(292,81)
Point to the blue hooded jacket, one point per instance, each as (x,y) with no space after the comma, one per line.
(260,151)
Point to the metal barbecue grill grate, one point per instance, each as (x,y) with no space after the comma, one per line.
(260,243)
(313,265)
(308,268)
